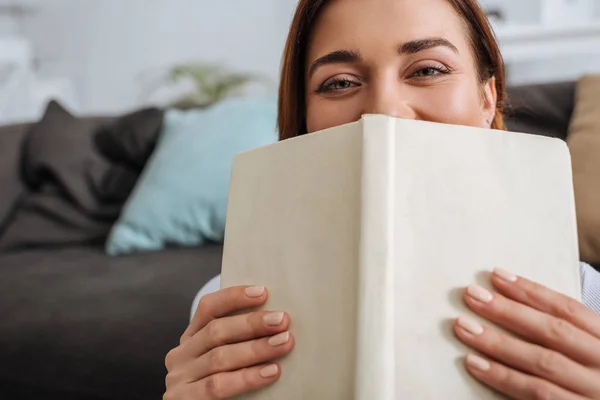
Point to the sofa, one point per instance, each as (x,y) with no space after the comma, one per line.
(76,323)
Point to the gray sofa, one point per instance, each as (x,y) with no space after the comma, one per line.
(74,322)
(78,324)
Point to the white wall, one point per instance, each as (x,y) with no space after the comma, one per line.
(110,47)
(559,67)
(8,25)
(519,11)
(528,11)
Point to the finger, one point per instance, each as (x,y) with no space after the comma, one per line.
(234,329)
(239,355)
(229,384)
(546,300)
(527,357)
(515,384)
(224,302)
(544,329)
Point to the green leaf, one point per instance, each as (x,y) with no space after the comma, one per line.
(211,82)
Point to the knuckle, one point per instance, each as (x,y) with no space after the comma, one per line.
(170,380)
(503,377)
(216,359)
(169,395)
(570,307)
(250,319)
(170,358)
(254,322)
(204,306)
(542,391)
(548,364)
(531,292)
(559,329)
(183,338)
(257,349)
(213,386)
(249,379)
(186,335)
(500,307)
(494,344)
(214,332)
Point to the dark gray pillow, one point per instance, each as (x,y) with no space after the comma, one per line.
(542,109)
(60,151)
(130,139)
(74,193)
(11,187)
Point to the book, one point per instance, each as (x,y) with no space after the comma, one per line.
(367,235)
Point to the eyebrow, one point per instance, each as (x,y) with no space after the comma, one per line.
(411,47)
(336,57)
(415,46)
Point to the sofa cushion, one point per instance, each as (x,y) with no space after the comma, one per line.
(584,144)
(78,324)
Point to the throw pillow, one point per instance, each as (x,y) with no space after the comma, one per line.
(73,190)
(584,143)
(11,187)
(181,196)
(131,138)
(540,109)
(59,151)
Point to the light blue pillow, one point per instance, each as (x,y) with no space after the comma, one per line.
(180,198)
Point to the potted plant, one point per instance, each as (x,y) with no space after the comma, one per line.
(207,83)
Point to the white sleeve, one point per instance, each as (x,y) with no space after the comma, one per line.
(211,286)
(590,287)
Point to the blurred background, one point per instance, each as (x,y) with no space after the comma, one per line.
(109,56)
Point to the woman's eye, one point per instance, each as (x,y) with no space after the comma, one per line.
(337,85)
(343,84)
(429,72)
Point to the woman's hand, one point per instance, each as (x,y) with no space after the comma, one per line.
(221,356)
(556,354)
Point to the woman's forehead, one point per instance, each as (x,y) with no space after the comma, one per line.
(373,25)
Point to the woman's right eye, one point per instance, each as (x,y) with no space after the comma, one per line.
(337,85)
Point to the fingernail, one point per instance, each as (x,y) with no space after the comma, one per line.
(478,363)
(505,275)
(255,291)
(479,293)
(273,319)
(470,325)
(279,339)
(269,371)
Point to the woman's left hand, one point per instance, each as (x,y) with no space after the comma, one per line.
(555,353)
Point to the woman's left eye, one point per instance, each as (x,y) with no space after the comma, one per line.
(429,72)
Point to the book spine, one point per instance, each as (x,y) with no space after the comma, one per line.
(375,355)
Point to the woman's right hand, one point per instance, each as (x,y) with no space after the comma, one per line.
(222,355)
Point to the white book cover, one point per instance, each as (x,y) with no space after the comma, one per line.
(368,233)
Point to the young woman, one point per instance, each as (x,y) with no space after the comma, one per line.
(433,60)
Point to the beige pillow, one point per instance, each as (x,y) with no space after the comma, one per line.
(584,143)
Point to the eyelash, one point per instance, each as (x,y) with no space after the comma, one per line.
(327,87)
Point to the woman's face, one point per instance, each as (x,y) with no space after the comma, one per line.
(403,58)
